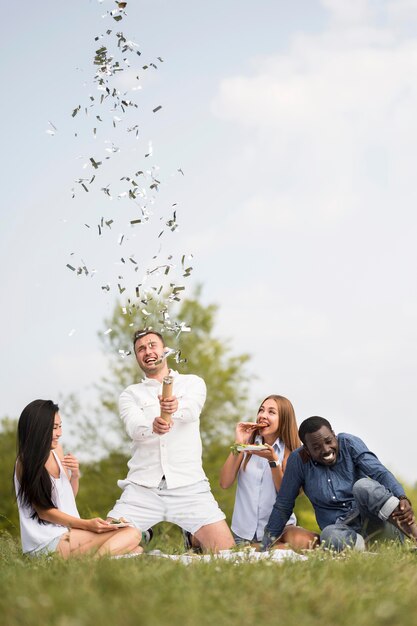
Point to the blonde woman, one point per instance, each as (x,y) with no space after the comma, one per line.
(259,473)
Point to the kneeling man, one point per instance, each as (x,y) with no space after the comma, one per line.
(166,481)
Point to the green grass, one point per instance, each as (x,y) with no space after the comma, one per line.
(355,589)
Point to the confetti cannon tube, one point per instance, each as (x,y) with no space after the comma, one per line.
(167,393)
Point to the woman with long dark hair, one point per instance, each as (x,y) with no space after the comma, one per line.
(259,473)
(46,484)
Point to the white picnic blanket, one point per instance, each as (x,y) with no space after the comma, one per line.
(247,555)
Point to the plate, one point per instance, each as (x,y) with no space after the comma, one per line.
(252,446)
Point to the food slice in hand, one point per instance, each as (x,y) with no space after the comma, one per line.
(247,447)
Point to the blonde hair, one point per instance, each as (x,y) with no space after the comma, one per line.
(287,429)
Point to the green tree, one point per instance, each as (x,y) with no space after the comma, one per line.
(202,354)
(9,519)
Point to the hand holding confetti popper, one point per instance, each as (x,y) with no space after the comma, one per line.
(166,393)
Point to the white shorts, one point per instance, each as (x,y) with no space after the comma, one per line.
(190,507)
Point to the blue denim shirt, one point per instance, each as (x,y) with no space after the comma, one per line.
(328,487)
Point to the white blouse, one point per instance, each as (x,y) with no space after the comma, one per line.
(255,496)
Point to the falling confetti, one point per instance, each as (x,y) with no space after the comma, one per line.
(110,117)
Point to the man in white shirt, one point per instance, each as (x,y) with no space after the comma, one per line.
(166,481)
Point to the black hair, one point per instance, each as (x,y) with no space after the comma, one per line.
(34,438)
(312,425)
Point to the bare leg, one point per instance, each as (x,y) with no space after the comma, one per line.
(215,537)
(119,541)
(298,538)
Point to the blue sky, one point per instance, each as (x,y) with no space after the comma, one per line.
(294,123)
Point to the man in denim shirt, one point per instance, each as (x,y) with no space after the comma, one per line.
(355,498)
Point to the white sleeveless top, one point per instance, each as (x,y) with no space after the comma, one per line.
(36,536)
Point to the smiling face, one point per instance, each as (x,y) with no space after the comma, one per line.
(322,446)
(56,431)
(268,416)
(149,350)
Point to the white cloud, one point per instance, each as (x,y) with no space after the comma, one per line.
(354,11)
(327,151)
(402,10)
(329,126)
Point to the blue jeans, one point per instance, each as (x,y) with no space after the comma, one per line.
(368,520)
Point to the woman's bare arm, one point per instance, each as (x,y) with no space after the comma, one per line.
(55,516)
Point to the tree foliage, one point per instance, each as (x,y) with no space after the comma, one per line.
(9,519)
(202,354)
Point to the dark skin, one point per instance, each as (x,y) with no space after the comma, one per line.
(323,448)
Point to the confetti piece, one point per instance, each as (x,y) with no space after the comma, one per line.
(108,331)
(95,163)
(167,353)
(158,108)
(51,131)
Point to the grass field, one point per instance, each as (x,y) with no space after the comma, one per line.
(352,589)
